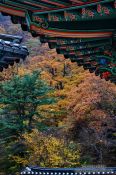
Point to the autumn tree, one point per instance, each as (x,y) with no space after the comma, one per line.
(92,120)
(48,151)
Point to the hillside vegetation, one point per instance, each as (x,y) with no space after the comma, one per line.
(52,112)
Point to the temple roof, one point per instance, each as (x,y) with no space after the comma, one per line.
(11,50)
(69,171)
(83,31)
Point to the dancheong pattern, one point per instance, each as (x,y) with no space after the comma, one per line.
(82,30)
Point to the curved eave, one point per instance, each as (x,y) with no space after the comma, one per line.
(12,10)
(55,33)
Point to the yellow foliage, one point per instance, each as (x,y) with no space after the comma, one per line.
(48,151)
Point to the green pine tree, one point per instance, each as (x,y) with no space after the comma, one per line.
(20,99)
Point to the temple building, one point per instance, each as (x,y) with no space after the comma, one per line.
(84,31)
(11,50)
(70,171)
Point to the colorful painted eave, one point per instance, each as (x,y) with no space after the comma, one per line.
(83,31)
